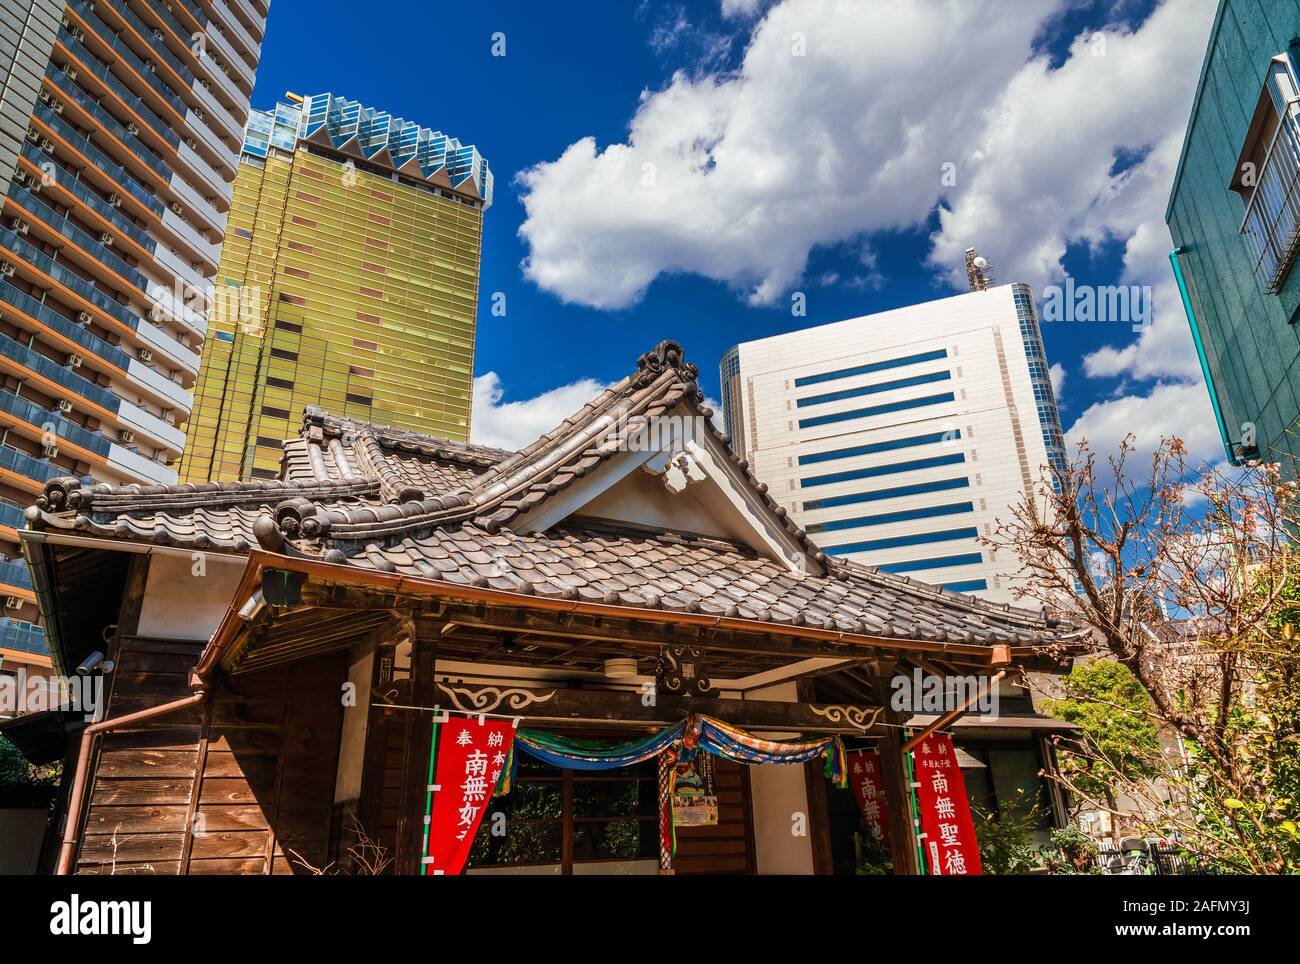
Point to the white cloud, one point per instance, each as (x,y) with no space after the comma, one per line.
(738,176)
(1057,374)
(1180,409)
(513,425)
(741,8)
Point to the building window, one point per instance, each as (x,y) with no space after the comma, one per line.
(873,447)
(941,562)
(874,389)
(873,367)
(897,492)
(564,817)
(899,542)
(1267,177)
(878,470)
(877,410)
(888,518)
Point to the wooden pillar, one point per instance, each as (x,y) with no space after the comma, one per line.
(370,805)
(819,818)
(893,773)
(415,758)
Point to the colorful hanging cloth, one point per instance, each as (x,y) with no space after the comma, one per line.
(733,743)
(693,733)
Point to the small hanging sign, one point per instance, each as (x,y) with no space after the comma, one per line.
(869,791)
(695,804)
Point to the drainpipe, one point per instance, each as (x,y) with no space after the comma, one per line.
(77,794)
(1200,352)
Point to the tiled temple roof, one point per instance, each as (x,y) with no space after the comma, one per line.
(399,502)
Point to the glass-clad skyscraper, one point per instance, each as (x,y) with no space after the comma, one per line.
(120,128)
(349,280)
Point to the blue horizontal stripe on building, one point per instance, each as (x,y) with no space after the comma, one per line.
(941,562)
(874,389)
(874,447)
(873,367)
(938,485)
(970,585)
(897,542)
(877,410)
(953,458)
(884,518)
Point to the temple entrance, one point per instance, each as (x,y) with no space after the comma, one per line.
(570,822)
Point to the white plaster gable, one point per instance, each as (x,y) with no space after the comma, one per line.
(683,481)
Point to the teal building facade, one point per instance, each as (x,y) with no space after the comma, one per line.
(1234,217)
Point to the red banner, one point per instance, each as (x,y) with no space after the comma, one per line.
(950,845)
(869,791)
(471,755)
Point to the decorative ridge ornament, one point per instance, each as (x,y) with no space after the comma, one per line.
(665,355)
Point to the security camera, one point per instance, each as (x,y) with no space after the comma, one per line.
(95,663)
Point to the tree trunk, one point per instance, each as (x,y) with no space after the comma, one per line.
(1115,835)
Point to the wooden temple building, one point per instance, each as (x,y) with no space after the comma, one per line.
(274,650)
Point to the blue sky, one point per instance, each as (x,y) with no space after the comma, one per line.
(681,169)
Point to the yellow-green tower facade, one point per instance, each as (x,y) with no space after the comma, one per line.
(348,280)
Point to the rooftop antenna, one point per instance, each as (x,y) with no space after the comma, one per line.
(978,271)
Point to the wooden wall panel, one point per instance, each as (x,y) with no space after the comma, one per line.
(727,848)
(242,784)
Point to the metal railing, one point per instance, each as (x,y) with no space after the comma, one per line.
(14,572)
(29,466)
(89,198)
(1272,223)
(83,239)
(49,369)
(51,421)
(64,326)
(34,256)
(104,163)
(24,637)
(1149,858)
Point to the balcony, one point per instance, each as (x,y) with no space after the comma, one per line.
(102,162)
(89,198)
(118,46)
(14,572)
(24,637)
(64,377)
(84,241)
(29,466)
(52,421)
(73,282)
(1271,227)
(154,337)
(110,123)
(237,27)
(11,516)
(66,327)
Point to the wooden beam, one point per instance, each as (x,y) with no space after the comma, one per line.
(625,707)
(644,635)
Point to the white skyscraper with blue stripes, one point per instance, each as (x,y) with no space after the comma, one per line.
(897,439)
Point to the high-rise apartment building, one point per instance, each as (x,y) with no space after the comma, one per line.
(349,280)
(897,439)
(120,128)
